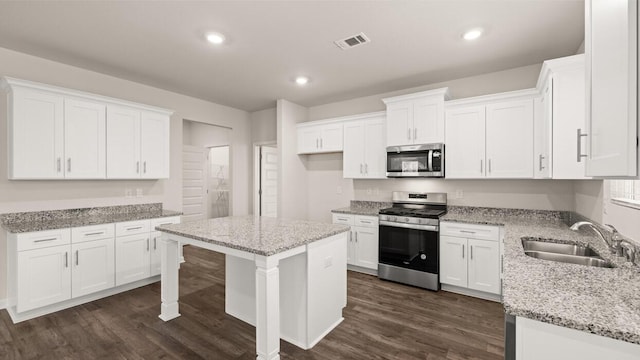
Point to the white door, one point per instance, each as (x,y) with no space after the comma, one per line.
(375,154)
(269,181)
(354,150)
(509,139)
(400,123)
(309,139)
(132,258)
(484,265)
(154,145)
(465,143)
(194,185)
(453,260)
(366,244)
(428,121)
(44,277)
(611,51)
(93,266)
(123,143)
(37,135)
(155,260)
(84,139)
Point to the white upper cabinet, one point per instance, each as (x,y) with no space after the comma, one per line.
(364,147)
(416,118)
(542,132)
(510,139)
(58,133)
(490,136)
(35,134)
(611,58)
(320,137)
(84,139)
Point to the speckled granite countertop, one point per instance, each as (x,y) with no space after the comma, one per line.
(367,208)
(59,219)
(602,301)
(259,235)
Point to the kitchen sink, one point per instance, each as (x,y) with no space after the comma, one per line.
(556,248)
(566,253)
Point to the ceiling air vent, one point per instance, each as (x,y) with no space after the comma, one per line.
(352,41)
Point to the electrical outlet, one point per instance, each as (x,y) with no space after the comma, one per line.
(459,194)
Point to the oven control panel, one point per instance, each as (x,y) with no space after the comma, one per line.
(408,220)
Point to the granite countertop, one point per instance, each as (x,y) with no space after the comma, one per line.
(60,219)
(367,208)
(602,301)
(259,235)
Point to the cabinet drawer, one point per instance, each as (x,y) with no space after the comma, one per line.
(132,227)
(471,231)
(344,219)
(164,221)
(93,232)
(366,221)
(41,239)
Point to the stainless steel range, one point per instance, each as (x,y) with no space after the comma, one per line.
(409,239)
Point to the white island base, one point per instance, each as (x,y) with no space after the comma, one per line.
(297,295)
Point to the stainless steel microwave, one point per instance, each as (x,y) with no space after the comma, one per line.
(415,161)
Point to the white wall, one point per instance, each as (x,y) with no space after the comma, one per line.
(45,195)
(263,126)
(589,199)
(292,174)
(205,135)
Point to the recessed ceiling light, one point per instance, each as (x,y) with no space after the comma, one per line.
(302,80)
(472,34)
(215,38)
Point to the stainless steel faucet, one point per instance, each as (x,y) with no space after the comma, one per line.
(613,243)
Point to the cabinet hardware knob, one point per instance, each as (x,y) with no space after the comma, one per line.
(69,165)
(137,167)
(579,135)
(77,258)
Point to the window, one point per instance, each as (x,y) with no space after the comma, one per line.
(625,192)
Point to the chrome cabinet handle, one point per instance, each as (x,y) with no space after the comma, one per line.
(467,231)
(462,251)
(69,165)
(144,167)
(134,228)
(94,233)
(58,164)
(415,133)
(155,243)
(579,135)
(366,168)
(66,259)
(471,251)
(321,143)
(540,158)
(43,240)
(147,244)
(481,167)
(408,134)
(361,172)
(77,258)
(137,167)
(317,143)
(355,232)
(489,165)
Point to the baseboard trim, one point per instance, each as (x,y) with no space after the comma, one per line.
(27,315)
(325,333)
(362,270)
(472,293)
(3,304)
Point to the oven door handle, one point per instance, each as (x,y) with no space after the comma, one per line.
(409,226)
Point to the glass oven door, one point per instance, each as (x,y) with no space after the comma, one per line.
(409,248)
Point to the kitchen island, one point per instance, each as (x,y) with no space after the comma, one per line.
(271,265)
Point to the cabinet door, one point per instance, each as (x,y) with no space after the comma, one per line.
(354,150)
(84,139)
(123,143)
(543,117)
(484,265)
(610,47)
(36,135)
(132,258)
(375,154)
(400,123)
(428,121)
(465,143)
(154,146)
(93,267)
(44,277)
(351,248)
(332,138)
(568,116)
(453,260)
(309,139)
(366,243)
(155,253)
(509,139)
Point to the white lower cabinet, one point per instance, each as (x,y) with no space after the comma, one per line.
(55,269)
(470,258)
(362,248)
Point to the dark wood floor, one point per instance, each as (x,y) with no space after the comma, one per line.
(383,320)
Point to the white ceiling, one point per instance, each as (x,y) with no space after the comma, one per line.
(161,43)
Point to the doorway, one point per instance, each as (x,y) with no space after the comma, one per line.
(206,171)
(266,180)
